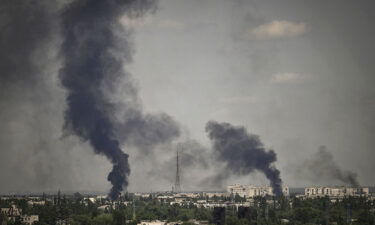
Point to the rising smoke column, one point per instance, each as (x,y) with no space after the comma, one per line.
(243,153)
(323,166)
(93,53)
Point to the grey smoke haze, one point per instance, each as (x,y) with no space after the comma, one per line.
(322,166)
(201,167)
(27,56)
(196,61)
(194,154)
(95,49)
(23,34)
(297,89)
(146,131)
(194,159)
(217,180)
(243,153)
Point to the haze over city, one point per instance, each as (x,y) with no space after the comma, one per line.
(99,96)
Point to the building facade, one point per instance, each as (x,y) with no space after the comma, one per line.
(29,220)
(249,191)
(320,191)
(12,213)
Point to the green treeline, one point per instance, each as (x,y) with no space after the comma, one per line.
(263,210)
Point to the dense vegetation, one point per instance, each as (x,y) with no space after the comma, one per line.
(295,211)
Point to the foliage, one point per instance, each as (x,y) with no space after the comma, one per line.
(264,210)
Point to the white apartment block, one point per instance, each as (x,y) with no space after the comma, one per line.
(320,191)
(249,191)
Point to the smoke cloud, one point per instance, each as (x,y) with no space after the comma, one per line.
(322,166)
(146,131)
(243,153)
(95,45)
(27,61)
(193,158)
(24,25)
(102,108)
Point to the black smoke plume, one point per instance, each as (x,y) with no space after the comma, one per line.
(243,153)
(95,45)
(323,166)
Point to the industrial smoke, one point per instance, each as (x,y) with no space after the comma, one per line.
(94,49)
(322,165)
(243,153)
(94,52)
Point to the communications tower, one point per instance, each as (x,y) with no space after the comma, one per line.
(177,185)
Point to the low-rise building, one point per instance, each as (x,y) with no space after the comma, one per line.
(29,220)
(12,213)
(249,191)
(187,195)
(215,194)
(342,191)
(36,202)
(152,222)
(164,222)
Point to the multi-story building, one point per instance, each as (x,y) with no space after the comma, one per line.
(238,189)
(249,191)
(320,191)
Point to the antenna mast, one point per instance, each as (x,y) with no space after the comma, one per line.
(177,185)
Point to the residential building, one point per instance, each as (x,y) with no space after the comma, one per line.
(249,191)
(342,191)
(12,213)
(29,220)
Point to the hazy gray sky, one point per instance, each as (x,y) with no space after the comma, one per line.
(299,74)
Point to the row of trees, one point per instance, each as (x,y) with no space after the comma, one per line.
(264,211)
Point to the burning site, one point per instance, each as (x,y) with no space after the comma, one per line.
(206,112)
